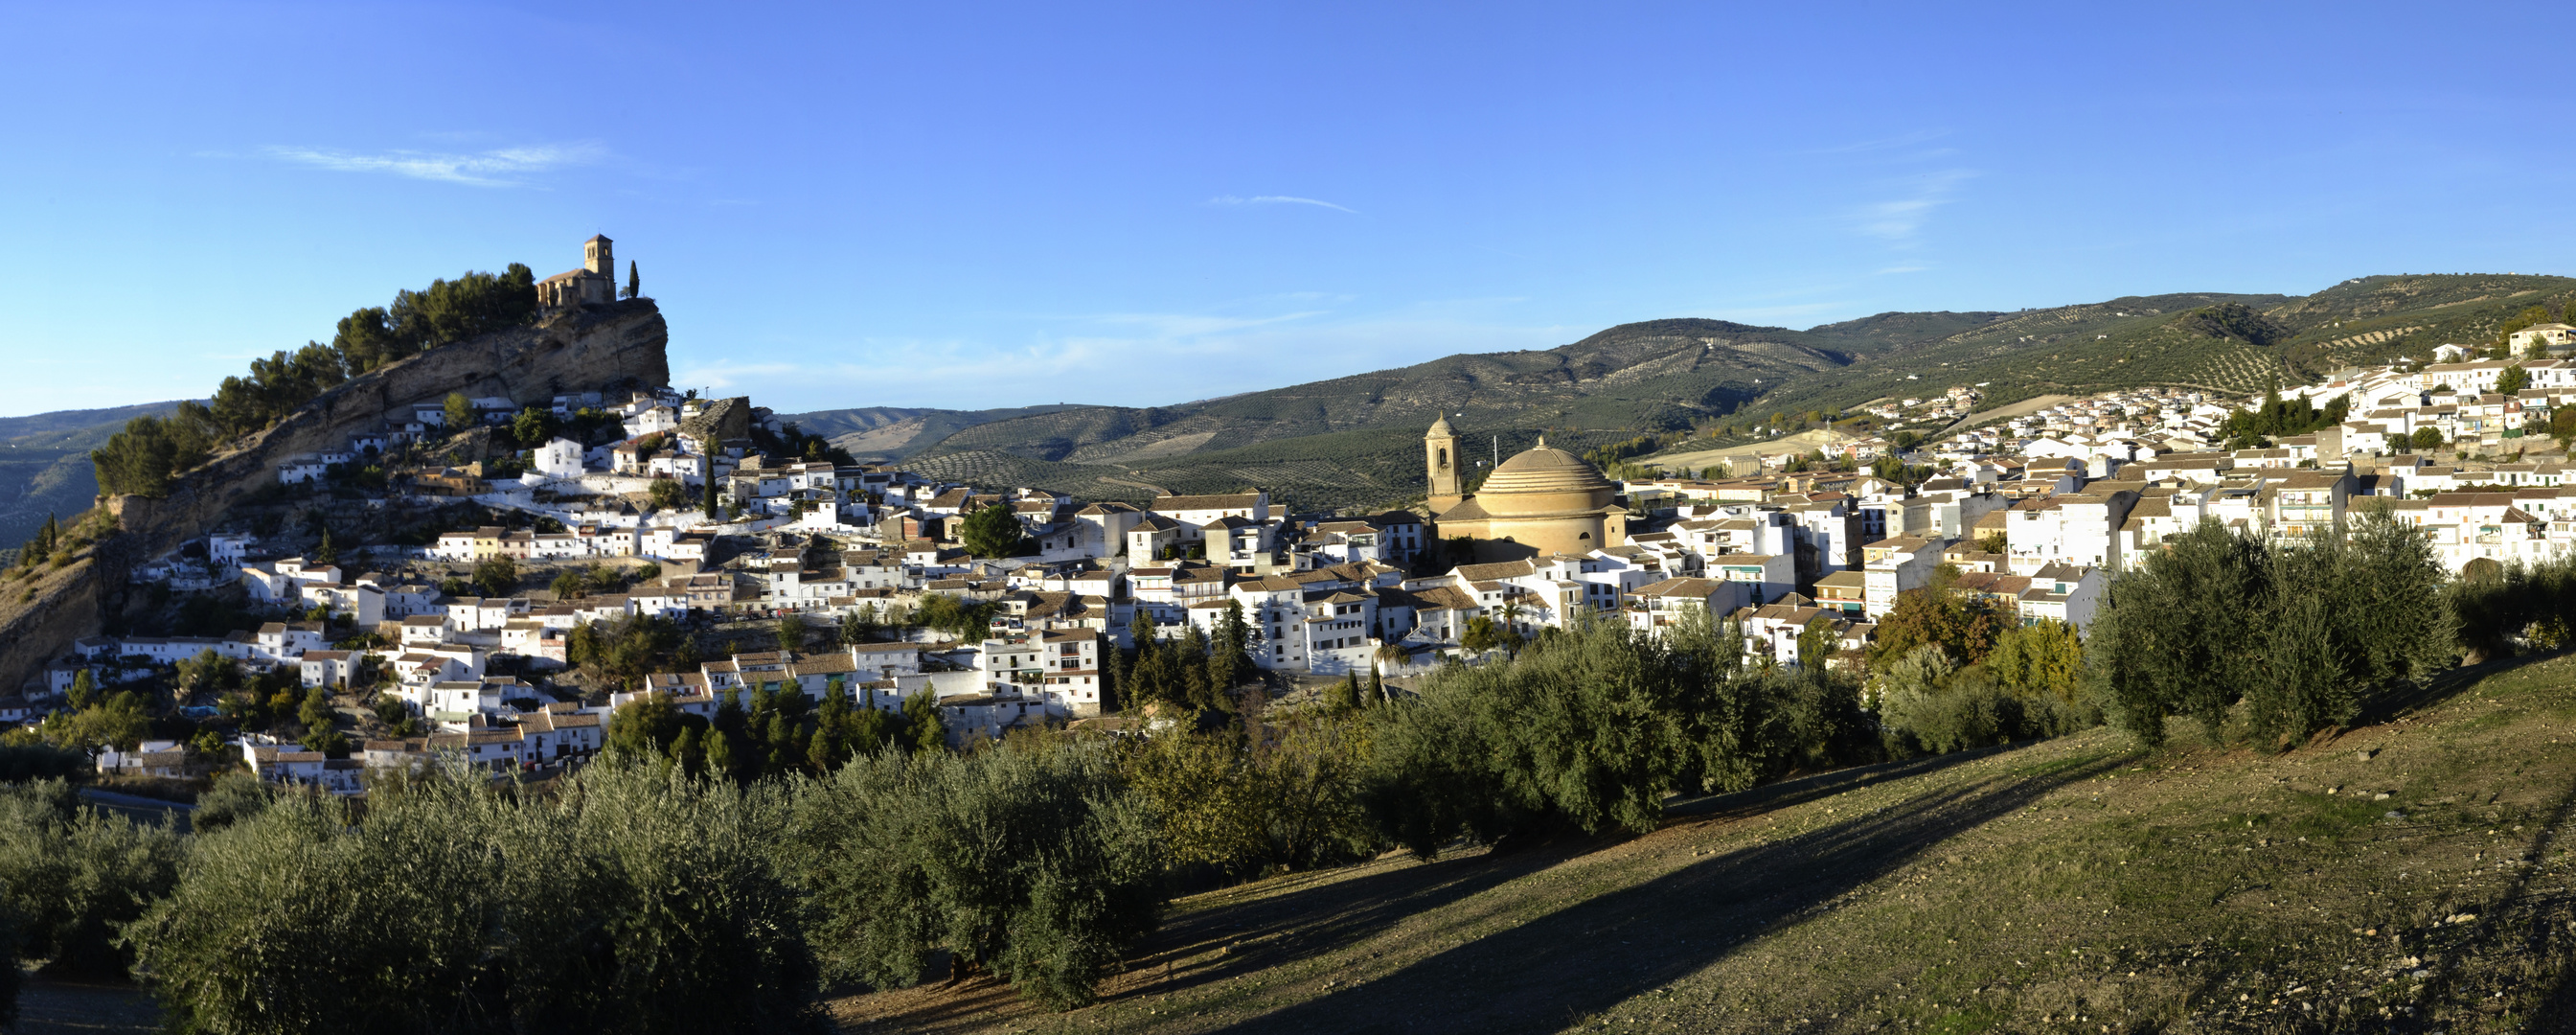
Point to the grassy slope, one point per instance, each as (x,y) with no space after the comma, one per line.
(2072,885)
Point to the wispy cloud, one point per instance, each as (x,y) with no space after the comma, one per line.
(1899,221)
(1902,269)
(1900,140)
(1277,199)
(502,167)
(1121,359)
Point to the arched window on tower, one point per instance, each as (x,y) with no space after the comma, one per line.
(1444,458)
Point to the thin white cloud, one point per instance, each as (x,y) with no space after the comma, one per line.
(502,167)
(1881,144)
(1149,366)
(1899,221)
(1277,199)
(1903,269)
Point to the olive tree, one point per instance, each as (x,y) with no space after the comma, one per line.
(71,875)
(631,900)
(1033,860)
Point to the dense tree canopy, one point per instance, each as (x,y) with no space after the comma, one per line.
(994,532)
(141,459)
(1034,861)
(632,901)
(1591,729)
(2302,635)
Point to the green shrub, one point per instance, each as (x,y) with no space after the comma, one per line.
(1033,860)
(632,900)
(2300,635)
(1589,730)
(236,795)
(20,763)
(73,875)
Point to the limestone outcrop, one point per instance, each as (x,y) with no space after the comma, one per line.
(599,348)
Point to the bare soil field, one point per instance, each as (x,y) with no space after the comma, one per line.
(1804,441)
(2023,408)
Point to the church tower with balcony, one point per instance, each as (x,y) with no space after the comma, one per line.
(1440,457)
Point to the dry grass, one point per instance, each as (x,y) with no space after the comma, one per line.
(2074,885)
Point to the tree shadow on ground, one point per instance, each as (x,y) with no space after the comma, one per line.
(2393,705)
(1556,969)
(1335,908)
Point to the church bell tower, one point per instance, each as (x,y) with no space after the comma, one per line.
(1441,460)
(597,257)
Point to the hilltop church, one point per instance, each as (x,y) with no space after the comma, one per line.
(595,283)
(1540,502)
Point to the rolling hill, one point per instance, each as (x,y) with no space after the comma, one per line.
(1353,441)
(893,432)
(44,464)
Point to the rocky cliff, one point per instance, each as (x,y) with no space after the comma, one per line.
(605,348)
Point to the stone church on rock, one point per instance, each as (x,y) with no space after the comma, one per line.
(595,283)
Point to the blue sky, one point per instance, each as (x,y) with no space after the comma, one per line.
(998,205)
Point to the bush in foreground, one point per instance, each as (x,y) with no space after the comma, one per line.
(633,900)
(1031,859)
(71,875)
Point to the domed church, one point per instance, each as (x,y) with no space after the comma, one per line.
(1540,502)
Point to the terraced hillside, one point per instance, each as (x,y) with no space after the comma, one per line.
(1355,441)
(894,432)
(1659,373)
(2412,874)
(1352,470)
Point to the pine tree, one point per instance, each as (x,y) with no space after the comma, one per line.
(719,754)
(325,553)
(686,751)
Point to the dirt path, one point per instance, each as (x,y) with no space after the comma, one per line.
(49,1006)
(2023,408)
(1803,442)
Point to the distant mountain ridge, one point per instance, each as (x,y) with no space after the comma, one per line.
(1353,440)
(44,463)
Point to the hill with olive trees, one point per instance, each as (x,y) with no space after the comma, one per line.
(1354,441)
(45,466)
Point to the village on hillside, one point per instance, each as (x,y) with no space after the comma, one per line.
(783,570)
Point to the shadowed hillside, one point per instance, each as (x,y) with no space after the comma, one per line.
(45,467)
(2409,874)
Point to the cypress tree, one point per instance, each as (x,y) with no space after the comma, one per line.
(711,495)
(634,284)
(1345,695)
